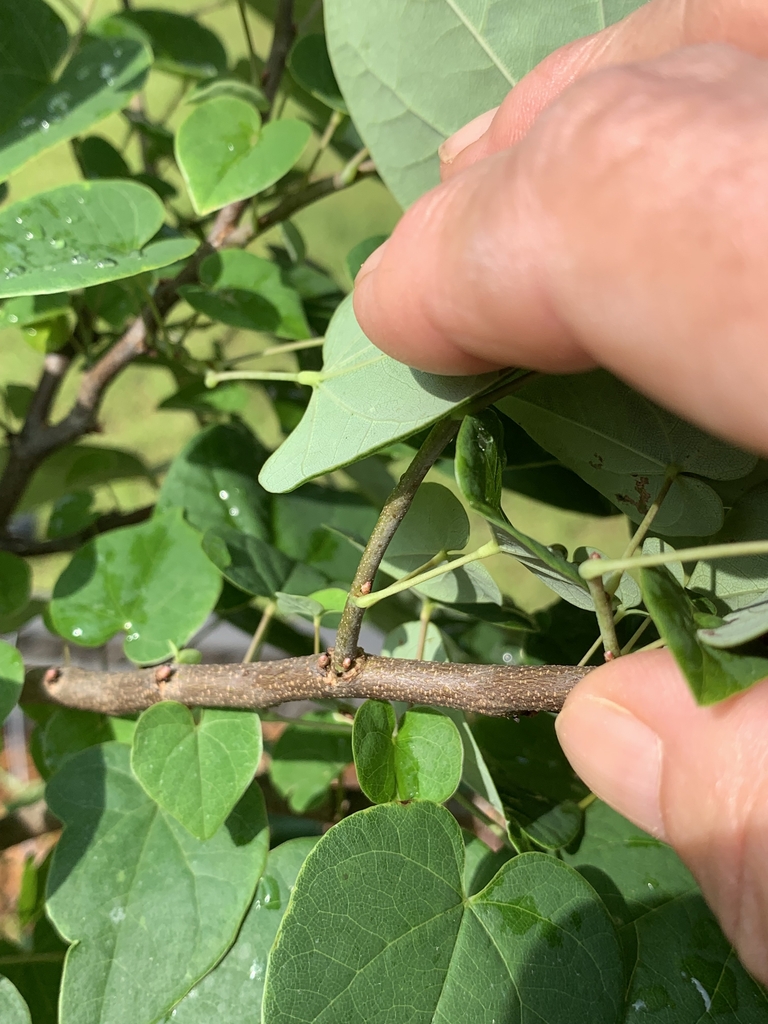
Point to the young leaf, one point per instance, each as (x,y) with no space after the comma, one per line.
(397,63)
(226,155)
(99,80)
(80,235)
(246,291)
(379,920)
(310,65)
(306,760)
(428,756)
(214,479)
(13,1009)
(181,45)
(15,583)
(149,908)
(196,770)
(712,674)
(11,678)
(374,750)
(362,401)
(479,466)
(234,989)
(153,581)
(294,604)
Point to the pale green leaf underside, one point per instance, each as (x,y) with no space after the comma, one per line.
(363,401)
(13,1009)
(414,71)
(149,908)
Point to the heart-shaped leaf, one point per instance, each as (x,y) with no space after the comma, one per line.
(196,770)
(362,401)
(13,1009)
(246,291)
(233,990)
(35,41)
(81,235)
(379,920)
(396,62)
(226,155)
(152,581)
(149,908)
(374,750)
(11,678)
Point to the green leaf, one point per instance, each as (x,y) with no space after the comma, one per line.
(712,674)
(397,64)
(738,627)
(196,770)
(246,291)
(80,235)
(475,772)
(182,46)
(98,81)
(68,732)
(249,562)
(11,679)
(98,158)
(359,253)
(294,604)
(225,155)
(13,1009)
(362,401)
(306,760)
(403,642)
(227,398)
(379,921)
(214,478)
(210,90)
(149,908)
(33,309)
(310,65)
(627,462)
(152,580)
(15,583)
(35,969)
(481,864)
(428,756)
(537,787)
(233,990)
(374,750)
(34,42)
(71,514)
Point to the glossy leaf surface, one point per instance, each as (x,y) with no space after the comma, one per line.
(196,770)
(374,750)
(152,581)
(379,920)
(362,401)
(233,990)
(81,235)
(428,756)
(150,908)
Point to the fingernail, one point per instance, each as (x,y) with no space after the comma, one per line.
(617,756)
(465,136)
(370,264)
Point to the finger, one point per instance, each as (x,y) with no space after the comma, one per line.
(627,229)
(654,29)
(696,777)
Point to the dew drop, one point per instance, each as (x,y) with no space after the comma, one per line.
(127,626)
(11,272)
(117,915)
(44,126)
(13,319)
(81,201)
(79,258)
(67,220)
(58,243)
(29,235)
(82,74)
(103,264)
(224,495)
(77,631)
(19,220)
(231,148)
(31,332)
(234,511)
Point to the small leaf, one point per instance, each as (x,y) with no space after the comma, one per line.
(374,750)
(98,158)
(363,401)
(99,80)
(153,581)
(306,760)
(379,919)
(293,604)
(310,65)
(233,990)
(225,154)
(712,674)
(71,514)
(15,583)
(13,1009)
(80,235)
(149,909)
(246,291)
(11,679)
(357,255)
(429,756)
(249,562)
(739,627)
(196,770)
(182,46)
(33,309)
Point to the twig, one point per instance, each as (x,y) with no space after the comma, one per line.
(604,614)
(629,646)
(392,514)
(424,620)
(104,524)
(497,690)
(267,615)
(285,33)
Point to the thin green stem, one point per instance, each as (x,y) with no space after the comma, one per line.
(325,140)
(588,800)
(470,806)
(655,646)
(642,531)
(486,551)
(348,173)
(630,645)
(592,650)
(316,624)
(425,618)
(254,62)
(308,377)
(278,350)
(590,569)
(267,615)
(604,613)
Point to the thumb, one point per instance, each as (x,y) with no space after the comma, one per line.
(696,777)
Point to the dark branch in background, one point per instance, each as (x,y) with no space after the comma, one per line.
(282,41)
(110,521)
(495,690)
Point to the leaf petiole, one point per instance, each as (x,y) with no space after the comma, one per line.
(591,569)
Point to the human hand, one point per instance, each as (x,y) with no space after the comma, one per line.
(616,213)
